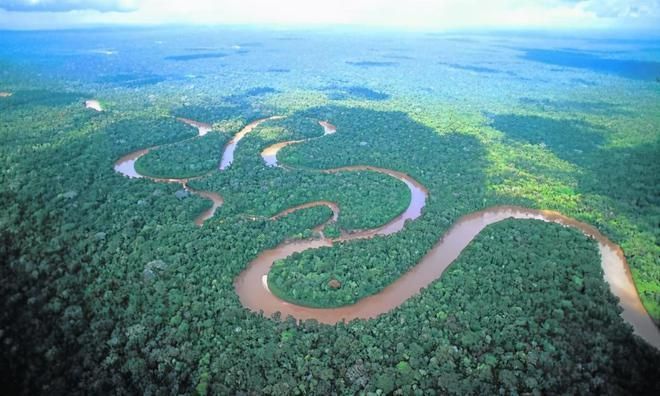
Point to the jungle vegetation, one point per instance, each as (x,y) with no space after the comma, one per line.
(188,158)
(108,287)
(459,187)
(249,186)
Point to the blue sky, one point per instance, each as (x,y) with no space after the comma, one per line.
(407,14)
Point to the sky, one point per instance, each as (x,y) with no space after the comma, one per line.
(426,15)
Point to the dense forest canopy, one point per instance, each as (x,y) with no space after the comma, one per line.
(109,286)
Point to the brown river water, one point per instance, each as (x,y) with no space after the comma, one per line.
(228,153)
(126,165)
(251,285)
(269,154)
(94,105)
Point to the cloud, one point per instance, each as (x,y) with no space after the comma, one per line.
(623,9)
(69,5)
(408,14)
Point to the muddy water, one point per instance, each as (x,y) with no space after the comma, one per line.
(269,154)
(228,153)
(253,291)
(418,195)
(328,128)
(94,105)
(207,214)
(126,166)
(252,284)
(202,128)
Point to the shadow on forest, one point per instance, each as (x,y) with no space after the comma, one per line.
(257,91)
(239,105)
(634,69)
(40,98)
(630,175)
(251,44)
(450,165)
(604,171)
(574,106)
(189,57)
(582,81)
(368,64)
(569,140)
(199,49)
(337,92)
(389,137)
(396,56)
(243,100)
(278,70)
(478,69)
(131,80)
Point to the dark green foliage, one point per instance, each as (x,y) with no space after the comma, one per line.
(244,99)
(217,113)
(451,171)
(189,158)
(573,106)
(523,310)
(128,135)
(208,114)
(569,139)
(552,340)
(73,269)
(40,98)
(355,92)
(629,177)
(634,69)
(250,187)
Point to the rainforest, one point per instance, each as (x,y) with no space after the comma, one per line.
(215,210)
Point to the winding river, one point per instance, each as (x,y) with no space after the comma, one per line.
(126,164)
(251,285)
(228,154)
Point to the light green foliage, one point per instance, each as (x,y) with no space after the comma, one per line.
(332,231)
(547,162)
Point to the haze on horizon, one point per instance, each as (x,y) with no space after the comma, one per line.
(619,15)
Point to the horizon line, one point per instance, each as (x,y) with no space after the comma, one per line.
(561,31)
